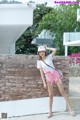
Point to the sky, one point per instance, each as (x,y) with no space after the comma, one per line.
(42,1)
(49,2)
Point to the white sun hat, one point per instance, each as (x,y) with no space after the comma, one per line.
(41,48)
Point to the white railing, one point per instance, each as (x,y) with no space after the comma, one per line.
(74,61)
(71,36)
(78,15)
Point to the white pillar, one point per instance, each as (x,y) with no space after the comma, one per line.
(12,48)
(66,50)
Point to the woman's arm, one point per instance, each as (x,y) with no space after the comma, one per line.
(43,78)
(52,49)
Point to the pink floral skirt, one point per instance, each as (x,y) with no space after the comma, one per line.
(53,76)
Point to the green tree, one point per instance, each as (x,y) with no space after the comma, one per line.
(61,19)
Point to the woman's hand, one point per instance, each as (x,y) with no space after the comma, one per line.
(45,46)
(52,49)
(45,85)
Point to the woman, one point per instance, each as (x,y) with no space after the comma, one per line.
(47,70)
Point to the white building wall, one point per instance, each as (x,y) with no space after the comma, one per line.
(16,15)
(14,20)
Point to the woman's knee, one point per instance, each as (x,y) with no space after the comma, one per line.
(62,91)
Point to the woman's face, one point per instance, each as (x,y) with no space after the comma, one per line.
(42,54)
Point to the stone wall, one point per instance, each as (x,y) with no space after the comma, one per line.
(20,79)
(74,71)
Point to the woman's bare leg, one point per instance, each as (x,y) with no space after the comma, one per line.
(61,89)
(50,91)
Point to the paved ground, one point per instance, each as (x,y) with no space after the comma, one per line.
(57,116)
